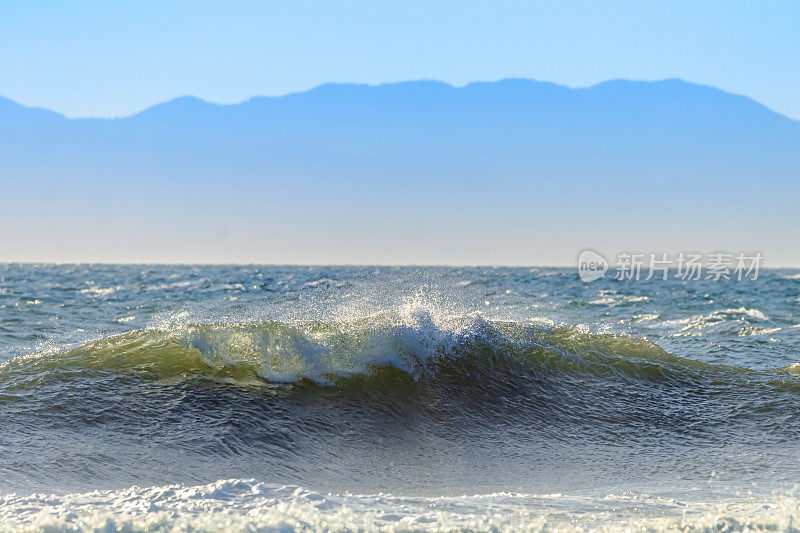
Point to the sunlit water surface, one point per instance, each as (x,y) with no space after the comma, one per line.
(242,397)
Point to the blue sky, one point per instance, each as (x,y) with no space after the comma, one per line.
(101,58)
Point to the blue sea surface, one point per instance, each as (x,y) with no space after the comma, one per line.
(166,397)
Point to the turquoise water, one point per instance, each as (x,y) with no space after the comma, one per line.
(245,397)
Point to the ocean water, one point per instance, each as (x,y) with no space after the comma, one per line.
(362,398)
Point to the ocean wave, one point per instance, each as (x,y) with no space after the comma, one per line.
(449,401)
(417,344)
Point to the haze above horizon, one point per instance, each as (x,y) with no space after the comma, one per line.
(513,172)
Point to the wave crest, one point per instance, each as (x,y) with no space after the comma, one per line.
(420,344)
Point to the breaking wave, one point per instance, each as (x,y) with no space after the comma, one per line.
(417,346)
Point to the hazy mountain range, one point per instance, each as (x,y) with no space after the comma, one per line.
(515,171)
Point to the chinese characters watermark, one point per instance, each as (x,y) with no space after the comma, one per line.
(687,266)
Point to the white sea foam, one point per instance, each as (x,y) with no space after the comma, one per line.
(249,505)
(739,317)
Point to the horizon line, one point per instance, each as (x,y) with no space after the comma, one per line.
(297,265)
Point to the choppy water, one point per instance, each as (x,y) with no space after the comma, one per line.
(181,397)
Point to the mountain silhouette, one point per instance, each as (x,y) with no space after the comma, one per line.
(514,171)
